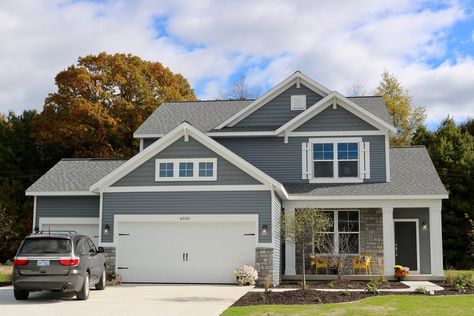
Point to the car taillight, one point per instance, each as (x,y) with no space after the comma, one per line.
(20,262)
(70,262)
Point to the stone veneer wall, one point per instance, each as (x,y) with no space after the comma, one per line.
(371,241)
(264,265)
(110,259)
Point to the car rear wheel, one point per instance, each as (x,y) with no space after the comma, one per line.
(21,295)
(101,284)
(83,294)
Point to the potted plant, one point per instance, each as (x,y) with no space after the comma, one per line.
(401,272)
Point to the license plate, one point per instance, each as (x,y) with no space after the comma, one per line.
(42,263)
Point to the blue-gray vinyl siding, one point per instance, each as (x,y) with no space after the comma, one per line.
(278,110)
(283,161)
(422,214)
(227,173)
(188,203)
(148,141)
(66,206)
(338,119)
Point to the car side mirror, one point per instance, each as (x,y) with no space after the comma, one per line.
(100,250)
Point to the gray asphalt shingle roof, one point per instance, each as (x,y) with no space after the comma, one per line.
(411,173)
(206,115)
(74,174)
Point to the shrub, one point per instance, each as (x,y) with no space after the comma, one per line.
(332,284)
(464,278)
(377,282)
(450,274)
(246,275)
(267,282)
(345,293)
(420,290)
(460,288)
(317,300)
(371,289)
(111,276)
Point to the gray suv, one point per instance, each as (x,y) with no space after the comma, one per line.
(58,261)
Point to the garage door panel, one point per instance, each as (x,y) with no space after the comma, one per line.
(153,251)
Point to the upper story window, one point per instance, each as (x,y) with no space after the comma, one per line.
(336,160)
(198,169)
(298,102)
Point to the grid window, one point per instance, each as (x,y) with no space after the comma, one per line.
(348,160)
(166,169)
(186,169)
(323,156)
(206,169)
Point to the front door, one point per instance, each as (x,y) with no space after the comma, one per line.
(406,252)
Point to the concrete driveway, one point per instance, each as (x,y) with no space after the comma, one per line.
(127,299)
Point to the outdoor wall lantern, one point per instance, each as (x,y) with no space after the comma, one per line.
(106,229)
(424,225)
(264,230)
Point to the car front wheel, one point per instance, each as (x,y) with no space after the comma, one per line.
(83,294)
(101,284)
(21,295)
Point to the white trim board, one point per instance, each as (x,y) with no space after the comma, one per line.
(180,131)
(296,78)
(35,204)
(363,197)
(272,133)
(68,220)
(189,188)
(59,193)
(417,223)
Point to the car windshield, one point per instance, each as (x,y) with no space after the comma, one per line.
(38,246)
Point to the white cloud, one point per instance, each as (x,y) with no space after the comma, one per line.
(338,43)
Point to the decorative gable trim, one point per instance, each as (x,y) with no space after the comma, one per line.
(331,99)
(183,130)
(297,78)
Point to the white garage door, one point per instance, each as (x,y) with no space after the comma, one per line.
(90,230)
(184,252)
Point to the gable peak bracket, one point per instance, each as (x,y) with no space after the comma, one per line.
(298,84)
(186,135)
(334,103)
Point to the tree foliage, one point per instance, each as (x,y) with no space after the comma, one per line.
(451,148)
(102,100)
(406,117)
(240,90)
(303,228)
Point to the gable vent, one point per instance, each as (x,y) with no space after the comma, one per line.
(298,102)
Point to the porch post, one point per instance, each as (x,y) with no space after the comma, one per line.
(290,252)
(436,240)
(388,240)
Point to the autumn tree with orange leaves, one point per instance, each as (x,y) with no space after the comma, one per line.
(102,100)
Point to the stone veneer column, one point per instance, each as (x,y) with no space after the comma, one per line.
(371,237)
(264,264)
(110,259)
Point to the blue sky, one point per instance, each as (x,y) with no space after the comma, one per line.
(428,45)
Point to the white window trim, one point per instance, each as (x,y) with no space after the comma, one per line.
(294,101)
(336,178)
(336,232)
(176,176)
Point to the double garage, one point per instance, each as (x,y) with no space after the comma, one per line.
(175,248)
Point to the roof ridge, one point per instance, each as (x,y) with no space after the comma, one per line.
(408,147)
(92,159)
(215,100)
(364,96)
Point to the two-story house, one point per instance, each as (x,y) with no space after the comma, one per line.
(212,178)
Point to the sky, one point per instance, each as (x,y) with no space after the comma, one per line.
(428,45)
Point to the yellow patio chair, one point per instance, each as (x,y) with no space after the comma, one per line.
(361,262)
(318,262)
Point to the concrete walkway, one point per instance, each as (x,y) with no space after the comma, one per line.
(413,285)
(127,299)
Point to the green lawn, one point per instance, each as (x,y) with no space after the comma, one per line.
(5,273)
(379,305)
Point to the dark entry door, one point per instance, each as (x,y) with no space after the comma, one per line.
(405,245)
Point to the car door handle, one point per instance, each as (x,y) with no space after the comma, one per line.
(186,256)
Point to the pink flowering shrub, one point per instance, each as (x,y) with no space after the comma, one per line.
(246,275)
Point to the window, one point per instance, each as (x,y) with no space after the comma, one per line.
(197,169)
(166,170)
(336,160)
(186,169)
(343,235)
(206,169)
(298,102)
(41,246)
(323,157)
(348,159)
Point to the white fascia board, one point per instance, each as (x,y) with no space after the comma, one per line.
(60,193)
(272,93)
(170,138)
(69,220)
(335,133)
(240,134)
(364,197)
(189,188)
(148,135)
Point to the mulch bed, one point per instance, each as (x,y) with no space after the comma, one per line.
(343,284)
(450,290)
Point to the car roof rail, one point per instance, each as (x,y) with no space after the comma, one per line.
(49,232)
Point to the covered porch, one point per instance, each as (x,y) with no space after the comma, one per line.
(385,232)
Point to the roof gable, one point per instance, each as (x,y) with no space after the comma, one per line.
(184,130)
(297,78)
